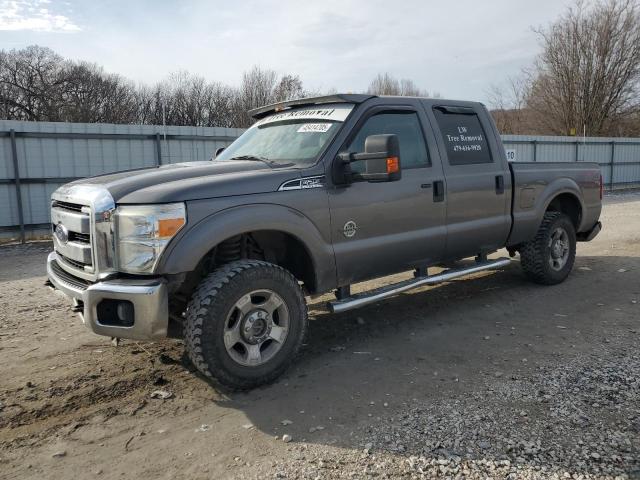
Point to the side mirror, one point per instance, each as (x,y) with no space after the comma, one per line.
(219,150)
(382,160)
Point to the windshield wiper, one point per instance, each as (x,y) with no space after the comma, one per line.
(255,158)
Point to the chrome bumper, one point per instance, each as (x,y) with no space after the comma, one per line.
(149,299)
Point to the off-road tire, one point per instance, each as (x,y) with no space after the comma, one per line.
(208,310)
(535,254)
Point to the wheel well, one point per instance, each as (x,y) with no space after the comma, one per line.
(290,253)
(273,246)
(569,205)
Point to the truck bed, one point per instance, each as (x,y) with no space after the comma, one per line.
(535,184)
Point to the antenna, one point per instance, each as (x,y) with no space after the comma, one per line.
(164,129)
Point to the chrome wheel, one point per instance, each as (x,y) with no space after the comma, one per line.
(559,249)
(256,327)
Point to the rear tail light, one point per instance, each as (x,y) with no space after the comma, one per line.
(601,187)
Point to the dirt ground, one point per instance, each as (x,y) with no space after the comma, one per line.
(490,377)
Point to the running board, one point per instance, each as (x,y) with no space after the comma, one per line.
(372,296)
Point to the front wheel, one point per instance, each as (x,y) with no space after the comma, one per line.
(549,257)
(245,323)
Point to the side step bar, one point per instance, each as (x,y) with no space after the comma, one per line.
(372,296)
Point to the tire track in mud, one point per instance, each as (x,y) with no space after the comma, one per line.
(119,384)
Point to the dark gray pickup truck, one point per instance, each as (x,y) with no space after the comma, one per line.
(318,194)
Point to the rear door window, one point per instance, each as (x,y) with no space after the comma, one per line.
(463,136)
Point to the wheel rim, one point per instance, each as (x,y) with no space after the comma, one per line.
(256,327)
(559,247)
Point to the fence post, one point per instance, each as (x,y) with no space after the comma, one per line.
(613,156)
(535,150)
(16,178)
(158,150)
(577,147)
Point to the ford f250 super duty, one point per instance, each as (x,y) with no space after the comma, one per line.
(318,194)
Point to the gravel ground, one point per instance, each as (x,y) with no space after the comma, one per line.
(486,377)
(572,421)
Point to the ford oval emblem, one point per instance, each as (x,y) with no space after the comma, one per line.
(349,229)
(62,234)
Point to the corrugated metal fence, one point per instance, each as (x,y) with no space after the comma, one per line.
(38,157)
(619,158)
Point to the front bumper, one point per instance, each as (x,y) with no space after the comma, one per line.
(148,297)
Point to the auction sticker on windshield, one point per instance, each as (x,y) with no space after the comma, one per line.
(314,128)
(335,113)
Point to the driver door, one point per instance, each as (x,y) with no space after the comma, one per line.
(380,228)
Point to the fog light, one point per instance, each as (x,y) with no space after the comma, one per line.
(116,313)
(125,312)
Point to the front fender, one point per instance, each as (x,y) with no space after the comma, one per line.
(186,251)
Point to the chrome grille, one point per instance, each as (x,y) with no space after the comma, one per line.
(69,279)
(72,241)
(80,237)
(70,261)
(74,207)
(84,245)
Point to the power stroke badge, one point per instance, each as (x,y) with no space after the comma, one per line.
(349,229)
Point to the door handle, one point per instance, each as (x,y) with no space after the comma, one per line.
(438,191)
(499,184)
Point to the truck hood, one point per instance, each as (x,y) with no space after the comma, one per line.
(191,181)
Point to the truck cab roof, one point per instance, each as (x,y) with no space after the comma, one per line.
(303,102)
(355,98)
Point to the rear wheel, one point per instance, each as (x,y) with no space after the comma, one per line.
(549,257)
(245,323)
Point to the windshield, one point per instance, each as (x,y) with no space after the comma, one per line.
(293,137)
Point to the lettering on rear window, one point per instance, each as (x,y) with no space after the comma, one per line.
(463,136)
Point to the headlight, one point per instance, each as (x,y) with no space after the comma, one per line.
(143,231)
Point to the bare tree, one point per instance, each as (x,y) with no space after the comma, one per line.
(31,81)
(144,100)
(288,88)
(91,95)
(38,84)
(185,99)
(408,88)
(189,99)
(262,87)
(386,84)
(221,106)
(508,103)
(588,75)
(257,89)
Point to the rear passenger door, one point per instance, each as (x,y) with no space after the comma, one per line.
(478,184)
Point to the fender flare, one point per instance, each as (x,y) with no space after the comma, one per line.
(556,188)
(185,251)
(527,222)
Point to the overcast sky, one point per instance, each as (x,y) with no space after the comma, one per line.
(457,48)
